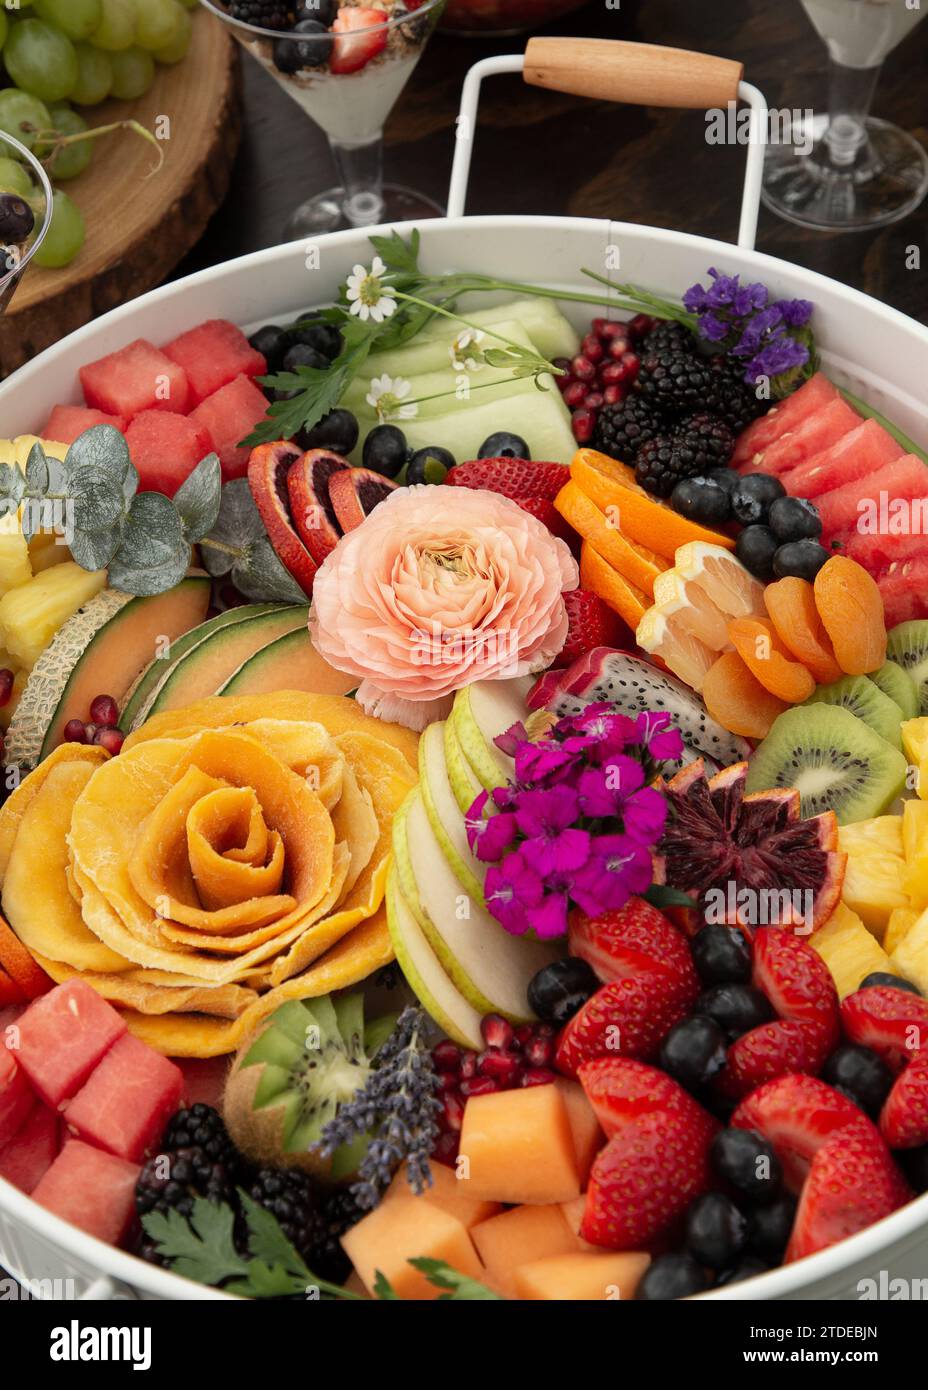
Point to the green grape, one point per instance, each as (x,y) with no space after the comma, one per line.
(156,23)
(71,160)
(133,73)
(76,18)
(94,75)
(41,60)
(190,4)
(18,109)
(14,179)
(65,236)
(116,29)
(4,27)
(175,52)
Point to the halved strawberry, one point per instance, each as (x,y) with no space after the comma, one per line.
(619,1089)
(514,478)
(852,1182)
(770,1051)
(356,41)
(797,1114)
(797,982)
(630,1017)
(591,623)
(904,1117)
(891,1021)
(604,941)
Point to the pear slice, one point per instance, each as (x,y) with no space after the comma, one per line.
(464,784)
(482,712)
(490,967)
(423,971)
(444,813)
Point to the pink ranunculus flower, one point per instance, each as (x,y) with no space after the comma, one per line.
(438,588)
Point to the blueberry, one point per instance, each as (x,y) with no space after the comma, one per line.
(558,990)
(286,56)
(722,955)
(324,337)
(385,450)
(728,478)
(770,1227)
(324,11)
(860,1074)
(736,1008)
(429,465)
(693,1052)
(702,500)
(755,548)
(503,445)
(799,559)
(794,519)
(744,1159)
(914,1164)
(301,355)
(883,977)
(16,219)
(716,1231)
(337,431)
(315,50)
(671,1276)
(752,498)
(744,1269)
(272,342)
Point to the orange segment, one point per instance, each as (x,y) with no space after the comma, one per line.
(615,591)
(791,606)
(851,609)
(737,699)
(757,644)
(638,566)
(611,485)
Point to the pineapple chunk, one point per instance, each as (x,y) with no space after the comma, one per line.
(915,738)
(910,957)
(901,921)
(55,552)
(15,566)
(873,880)
(849,950)
(915,844)
(31,615)
(18,450)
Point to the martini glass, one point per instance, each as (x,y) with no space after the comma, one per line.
(15,256)
(847,171)
(350,106)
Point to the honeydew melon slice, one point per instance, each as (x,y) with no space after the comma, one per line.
(540,417)
(289,663)
(483,711)
(99,650)
(552,334)
(445,815)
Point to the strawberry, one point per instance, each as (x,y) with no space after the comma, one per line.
(642,1182)
(513,478)
(545,512)
(770,1051)
(852,1182)
(356,40)
(904,1117)
(797,982)
(891,1021)
(591,623)
(604,941)
(797,1114)
(619,1089)
(629,1017)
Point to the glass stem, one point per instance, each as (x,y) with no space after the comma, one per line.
(360,173)
(850,92)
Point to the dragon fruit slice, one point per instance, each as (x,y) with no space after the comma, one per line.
(633,685)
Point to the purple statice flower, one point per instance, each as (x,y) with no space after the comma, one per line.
(796,312)
(658,736)
(546,818)
(511,889)
(743,318)
(489,837)
(644,816)
(758,330)
(617,868)
(712,328)
(605,789)
(780,355)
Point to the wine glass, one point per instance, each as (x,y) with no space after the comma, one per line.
(848,171)
(31,186)
(347,82)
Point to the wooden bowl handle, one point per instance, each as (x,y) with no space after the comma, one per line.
(642,74)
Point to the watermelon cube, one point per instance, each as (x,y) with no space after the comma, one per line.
(813,434)
(785,415)
(862,450)
(135,378)
(62,1036)
(127,1101)
(229,415)
(878,553)
(16,1096)
(91,1189)
(904,589)
(212,355)
(66,422)
(876,500)
(165,448)
(26,1159)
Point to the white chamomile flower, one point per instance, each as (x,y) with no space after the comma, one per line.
(462,359)
(368,296)
(386,396)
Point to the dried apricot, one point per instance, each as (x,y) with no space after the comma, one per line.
(737,699)
(851,609)
(757,644)
(791,606)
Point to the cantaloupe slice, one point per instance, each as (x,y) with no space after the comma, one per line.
(582,1277)
(403,1229)
(517,1237)
(292,663)
(449,1192)
(584,1126)
(519,1147)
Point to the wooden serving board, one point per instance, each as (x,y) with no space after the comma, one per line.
(139,223)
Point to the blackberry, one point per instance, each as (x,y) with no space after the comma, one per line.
(264,14)
(667,333)
(699,443)
(202,1127)
(622,429)
(730,396)
(289,1195)
(708,438)
(674,380)
(170,1181)
(327,1258)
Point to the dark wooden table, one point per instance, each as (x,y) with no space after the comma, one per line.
(542,152)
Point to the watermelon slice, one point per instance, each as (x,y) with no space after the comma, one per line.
(138,377)
(228,416)
(61,1038)
(213,354)
(813,395)
(877,552)
(862,450)
(92,1189)
(26,1159)
(165,448)
(204,1079)
(127,1101)
(66,422)
(813,434)
(904,589)
(844,509)
(16,1096)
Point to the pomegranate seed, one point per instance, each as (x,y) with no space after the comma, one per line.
(583,422)
(497,1031)
(6,685)
(446,1149)
(592,348)
(479,1086)
(598,327)
(446,1056)
(612,372)
(538,1076)
(582,368)
(503,1067)
(575,392)
(104,710)
(611,328)
(593,400)
(539,1052)
(448,1081)
(523,1034)
(75,732)
(631,365)
(468,1065)
(562,362)
(618,348)
(110,739)
(563,383)
(640,325)
(544,1030)
(613,393)
(451,1115)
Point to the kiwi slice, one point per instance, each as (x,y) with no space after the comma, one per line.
(292,1074)
(894,682)
(835,760)
(867,701)
(907,645)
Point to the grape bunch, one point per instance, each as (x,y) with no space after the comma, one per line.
(66,54)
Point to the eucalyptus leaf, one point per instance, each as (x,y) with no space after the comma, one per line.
(97,497)
(93,550)
(154,554)
(259,575)
(199,498)
(101,447)
(37,472)
(12,483)
(238,522)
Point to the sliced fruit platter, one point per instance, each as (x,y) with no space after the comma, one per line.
(462,831)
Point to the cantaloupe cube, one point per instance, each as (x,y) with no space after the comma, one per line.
(449,1192)
(519,1147)
(406,1228)
(517,1237)
(588,1136)
(579,1277)
(573,1215)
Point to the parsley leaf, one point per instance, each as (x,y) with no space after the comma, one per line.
(463,1289)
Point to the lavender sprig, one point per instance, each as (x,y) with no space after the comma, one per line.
(397,1107)
(772,338)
